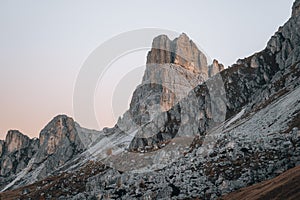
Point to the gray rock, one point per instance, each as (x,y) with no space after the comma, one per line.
(174,69)
(181,51)
(59,142)
(296,8)
(251,141)
(215,68)
(15,153)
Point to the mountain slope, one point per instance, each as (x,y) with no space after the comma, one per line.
(174,68)
(245,119)
(24,160)
(285,186)
(15,153)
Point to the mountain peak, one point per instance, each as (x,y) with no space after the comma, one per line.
(181,51)
(59,128)
(183,36)
(16,140)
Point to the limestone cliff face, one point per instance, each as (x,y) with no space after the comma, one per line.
(59,142)
(161,52)
(58,132)
(16,140)
(181,51)
(174,68)
(15,152)
(215,68)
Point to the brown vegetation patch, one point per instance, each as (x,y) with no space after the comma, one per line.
(286,186)
(65,184)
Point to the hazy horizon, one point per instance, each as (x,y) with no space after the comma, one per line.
(44,45)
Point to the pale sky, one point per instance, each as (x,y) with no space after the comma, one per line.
(43,45)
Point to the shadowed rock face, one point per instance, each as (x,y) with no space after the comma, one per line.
(15,152)
(296,8)
(58,143)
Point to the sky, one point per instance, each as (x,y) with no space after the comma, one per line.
(44,44)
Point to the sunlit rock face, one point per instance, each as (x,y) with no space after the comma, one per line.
(59,131)
(16,140)
(175,65)
(181,51)
(59,142)
(174,68)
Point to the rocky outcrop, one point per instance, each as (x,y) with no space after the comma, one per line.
(15,152)
(15,141)
(181,51)
(161,52)
(59,143)
(174,68)
(215,68)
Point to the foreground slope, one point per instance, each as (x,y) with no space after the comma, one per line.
(285,186)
